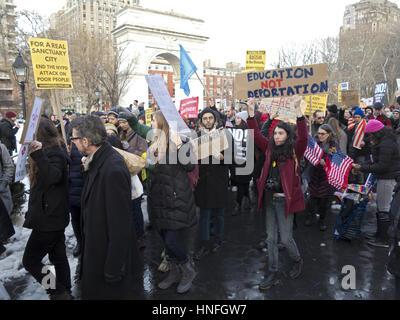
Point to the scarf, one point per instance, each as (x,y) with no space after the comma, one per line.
(359,133)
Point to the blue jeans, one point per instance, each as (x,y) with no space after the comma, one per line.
(138,217)
(276,221)
(217,214)
(174,248)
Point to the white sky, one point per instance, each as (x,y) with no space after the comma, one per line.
(237,26)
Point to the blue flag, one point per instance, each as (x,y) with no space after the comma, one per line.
(187,70)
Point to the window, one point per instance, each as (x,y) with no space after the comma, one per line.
(218,81)
(211,81)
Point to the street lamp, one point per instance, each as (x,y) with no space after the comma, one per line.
(97,93)
(20,70)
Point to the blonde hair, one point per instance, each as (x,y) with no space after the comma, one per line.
(159,144)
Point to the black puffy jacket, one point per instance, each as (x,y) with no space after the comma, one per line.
(172,200)
(48,201)
(7,134)
(386,158)
(75,181)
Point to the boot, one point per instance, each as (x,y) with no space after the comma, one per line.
(296,269)
(246,203)
(216,245)
(236,210)
(188,275)
(65,295)
(372,236)
(2,248)
(173,277)
(202,251)
(322,225)
(382,238)
(270,280)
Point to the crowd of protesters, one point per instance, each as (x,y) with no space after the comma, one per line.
(85,179)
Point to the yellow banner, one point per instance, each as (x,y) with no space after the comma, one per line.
(50,63)
(255,61)
(318,102)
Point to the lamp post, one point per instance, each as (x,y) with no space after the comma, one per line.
(97,93)
(20,70)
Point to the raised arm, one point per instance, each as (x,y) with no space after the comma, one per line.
(261,141)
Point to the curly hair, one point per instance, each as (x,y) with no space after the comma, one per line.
(285,151)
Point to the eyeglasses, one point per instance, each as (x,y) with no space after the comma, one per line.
(75,138)
(208,118)
(322,134)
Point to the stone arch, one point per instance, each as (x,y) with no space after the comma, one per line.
(172,59)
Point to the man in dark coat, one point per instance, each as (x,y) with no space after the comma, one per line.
(108,236)
(8,130)
(211,191)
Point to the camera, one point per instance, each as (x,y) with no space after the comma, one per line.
(272,185)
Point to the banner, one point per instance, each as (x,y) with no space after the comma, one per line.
(164,101)
(318,102)
(342,86)
(305,80)
(189,108)
(50,63)
(350,98)
(380,92)
(255,61)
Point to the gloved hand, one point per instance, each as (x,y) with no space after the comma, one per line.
(124,112)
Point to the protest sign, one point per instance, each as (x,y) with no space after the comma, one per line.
(210,144)
(342,86)
(255,61)
(398,84)
(50,63)
(286,82)
(189,108)
(149,114)
(164,101)
(240,141)
(318,102)
(33,116)
(350,98)
(283,107)
(380,91)
(20,169)
(368,101)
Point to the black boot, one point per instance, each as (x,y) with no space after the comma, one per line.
(382,238)
(236,210)
(296,269)
(270,280)
(203,250)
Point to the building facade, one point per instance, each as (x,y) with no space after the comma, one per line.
(9,90)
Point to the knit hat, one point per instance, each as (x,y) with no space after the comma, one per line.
(396,110)
(113,113)
(359,112)
(374,126)
(244,115)
(121,118)
(11,114)
(110,126)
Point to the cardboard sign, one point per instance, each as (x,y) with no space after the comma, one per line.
(350,98)
(159,90)
(33,117)
(189,108)
(380,91)
(317,103)
(50,63)
(255,61)
(149,113)
(368,101)
(210,144)
(342,86)
(287,82)
(284,107)
(20,169)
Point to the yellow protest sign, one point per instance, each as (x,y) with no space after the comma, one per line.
(318,102)
(255,61)
(50,63)
(149,113)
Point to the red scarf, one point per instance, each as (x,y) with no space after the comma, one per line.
(359,132)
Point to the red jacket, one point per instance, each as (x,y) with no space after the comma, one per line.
(290,180)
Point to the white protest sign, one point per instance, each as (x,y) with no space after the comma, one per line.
(164,101)
(33,120)
(210,144)
(21,163)
(284,107)
(398,84)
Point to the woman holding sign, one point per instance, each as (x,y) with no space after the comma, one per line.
(280,188)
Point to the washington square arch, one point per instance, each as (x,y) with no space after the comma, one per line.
(146,34)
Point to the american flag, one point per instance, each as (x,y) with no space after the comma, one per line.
(337,169)
(313,152)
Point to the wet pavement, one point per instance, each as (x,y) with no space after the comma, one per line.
(234,272)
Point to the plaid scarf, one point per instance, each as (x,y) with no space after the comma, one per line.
(359,133)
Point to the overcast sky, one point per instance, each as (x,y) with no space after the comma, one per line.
(237,26)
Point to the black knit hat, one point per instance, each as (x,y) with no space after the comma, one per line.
(207,110)
(333,108)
